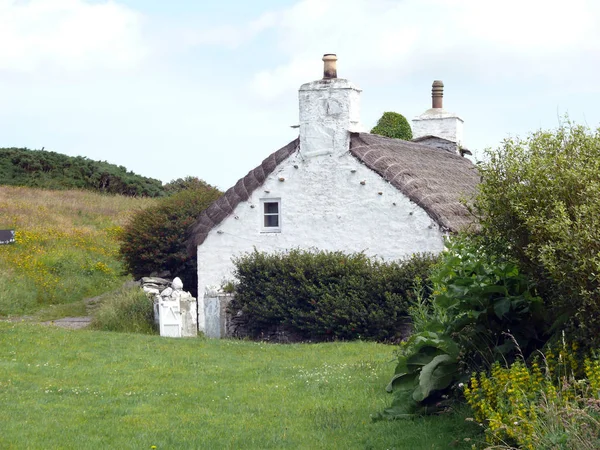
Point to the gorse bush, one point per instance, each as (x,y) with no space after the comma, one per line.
(539,205)
(323,295)
(154,240)
(127,310)
(393,125)
(182,184)
(51,170)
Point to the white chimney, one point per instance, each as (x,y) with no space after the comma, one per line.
(436,121)
(329,111)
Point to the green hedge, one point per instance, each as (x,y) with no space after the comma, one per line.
(323,295)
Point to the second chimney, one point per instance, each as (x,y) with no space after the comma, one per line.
(436,122)
(437,94)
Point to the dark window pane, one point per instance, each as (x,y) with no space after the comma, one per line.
(271,208)
(271,221)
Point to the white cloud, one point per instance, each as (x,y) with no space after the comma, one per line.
(68,35)
(230,36)
(384,38)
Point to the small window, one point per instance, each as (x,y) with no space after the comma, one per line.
(271,220)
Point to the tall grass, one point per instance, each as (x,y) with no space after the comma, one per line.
(125,310)
(65,249)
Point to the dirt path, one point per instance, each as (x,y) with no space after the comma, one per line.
(77,323)
(73,323)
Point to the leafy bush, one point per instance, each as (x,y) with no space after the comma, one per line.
(393,125)
(427,367)
(182,184)
(477,300)
(51,170)
(539,205)
(533,407)
(484,297)
(325,295)
(154,240)
(127,310)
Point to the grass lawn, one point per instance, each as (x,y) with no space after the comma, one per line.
(88,389)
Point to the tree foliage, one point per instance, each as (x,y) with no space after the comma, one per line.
(393,125)
(181,184)
(154,240)
(51,170)
(539,205)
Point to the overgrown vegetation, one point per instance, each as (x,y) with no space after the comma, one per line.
(393,125)
(154,240)
(527,280)
(539,205)
(125,310)
(477,298)
(484,297)
(553,402)
(321,295)
(51,170)
(66,248)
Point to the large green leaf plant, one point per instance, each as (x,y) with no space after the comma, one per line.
(482,310)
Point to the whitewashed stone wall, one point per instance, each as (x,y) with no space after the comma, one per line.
(438,122)
(324,205)
(328,110)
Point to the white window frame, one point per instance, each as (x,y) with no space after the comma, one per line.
(263,228)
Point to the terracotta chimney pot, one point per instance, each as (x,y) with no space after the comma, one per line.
(437,94)
(330,66)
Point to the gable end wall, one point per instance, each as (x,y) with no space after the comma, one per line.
(324,206)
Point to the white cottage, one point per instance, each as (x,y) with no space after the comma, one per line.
(338,188)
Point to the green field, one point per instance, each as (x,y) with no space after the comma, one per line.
(66,248)
(89,389)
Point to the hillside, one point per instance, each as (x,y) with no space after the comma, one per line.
(51,170)
(66,247)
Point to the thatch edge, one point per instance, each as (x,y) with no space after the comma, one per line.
(459,218)
(240,192)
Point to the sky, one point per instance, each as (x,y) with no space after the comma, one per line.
(200,88)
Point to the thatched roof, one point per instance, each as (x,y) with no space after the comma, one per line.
(434,179)
(241,192)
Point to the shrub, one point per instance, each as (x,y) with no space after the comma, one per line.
(483,297)
(539,204)
(127,310)
(181,184)
(154,240)
(477,299)
(325,295)
(51,170)
(393,125)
